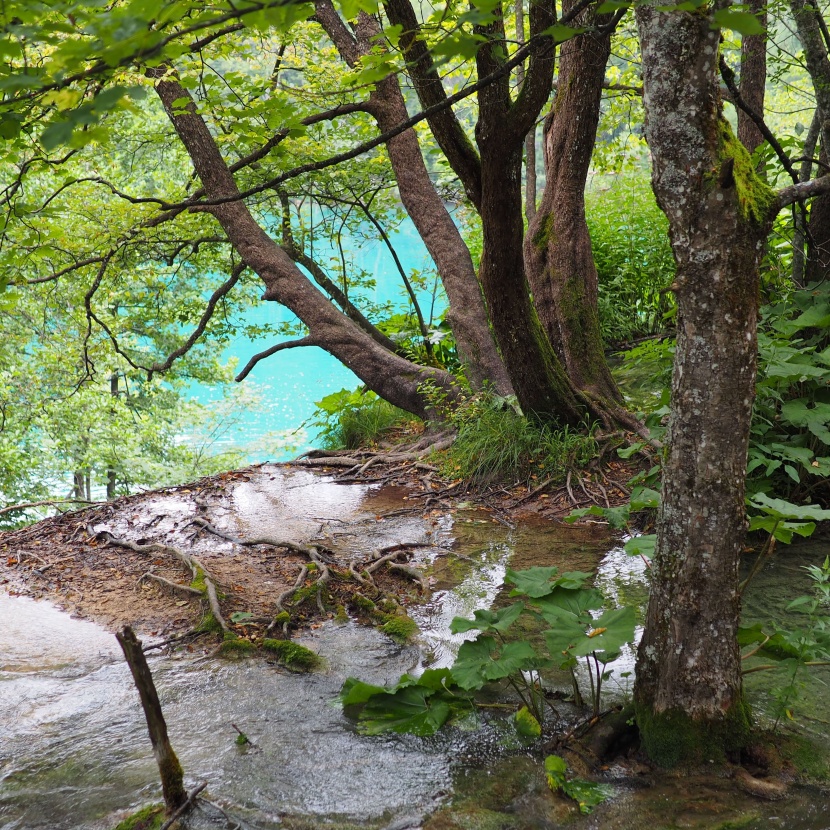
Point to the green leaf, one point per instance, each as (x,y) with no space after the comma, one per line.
(627,452)
(643,498)
(485,620)
(480,661)
(534,582)
(526,724)
(641,545)
(566,601)
(57,133)
(413,709)
(781,509)
(744,23)
(611,631)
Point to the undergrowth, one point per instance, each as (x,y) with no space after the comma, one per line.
(495,443)
(353,419)
(634,261)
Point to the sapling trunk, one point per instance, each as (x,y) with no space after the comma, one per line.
(172,776)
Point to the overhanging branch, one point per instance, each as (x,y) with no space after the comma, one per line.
(289,344)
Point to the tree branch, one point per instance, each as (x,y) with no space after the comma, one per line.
(289,344)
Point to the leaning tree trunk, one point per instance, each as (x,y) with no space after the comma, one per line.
(558,255)
(393,378)
(688,691)
(467,314)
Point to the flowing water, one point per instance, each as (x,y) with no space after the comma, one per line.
(74,751)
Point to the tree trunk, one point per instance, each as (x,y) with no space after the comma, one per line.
(541,385)
(558,255)
(753,79)
(539,378)
(170,770)
(467,312)
(818,254)
(688,690)
(394,378)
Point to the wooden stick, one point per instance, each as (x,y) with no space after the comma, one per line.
(172,776)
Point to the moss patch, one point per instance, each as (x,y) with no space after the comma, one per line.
(399,627)
(237,648)
(208,625)
(673,737)
(755,197)
(292,655)
(148,818)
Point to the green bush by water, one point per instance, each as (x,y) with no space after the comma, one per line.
(352,419)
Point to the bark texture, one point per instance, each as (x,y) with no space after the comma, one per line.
(753,78)
(393,378)
(558,254)
(172,776)
(818,254)
(538,376)
(688,690)
(467,313)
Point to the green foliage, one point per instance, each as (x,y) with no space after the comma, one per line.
(795,649)
(586,794)
(352,419)
(559,604)
(495,443)
(420,706)
(635,265)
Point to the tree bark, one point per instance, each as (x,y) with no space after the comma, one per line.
(688,691)
(818,254)
(538,376)
(170,770)
(393,378)
(753,78)
(467,312)
(558,255)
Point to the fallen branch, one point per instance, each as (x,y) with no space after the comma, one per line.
(48,503)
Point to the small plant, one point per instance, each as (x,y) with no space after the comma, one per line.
(352,419)
(586,794)
(559,604)
(796,649)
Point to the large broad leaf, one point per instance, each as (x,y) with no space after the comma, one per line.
(609,634)
(641,545)
(782,530)
(562,637)
(586,794)
(414,709)
(355,692)
(483,659)
(485,620)
(539,582)
(814,416)
(535,582)
(781,509)
(573,602)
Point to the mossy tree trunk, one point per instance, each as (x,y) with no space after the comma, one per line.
(558,254)
(688,690)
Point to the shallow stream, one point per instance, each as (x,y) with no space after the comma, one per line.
(74,751)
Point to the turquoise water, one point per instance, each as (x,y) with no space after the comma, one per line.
(288,384)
